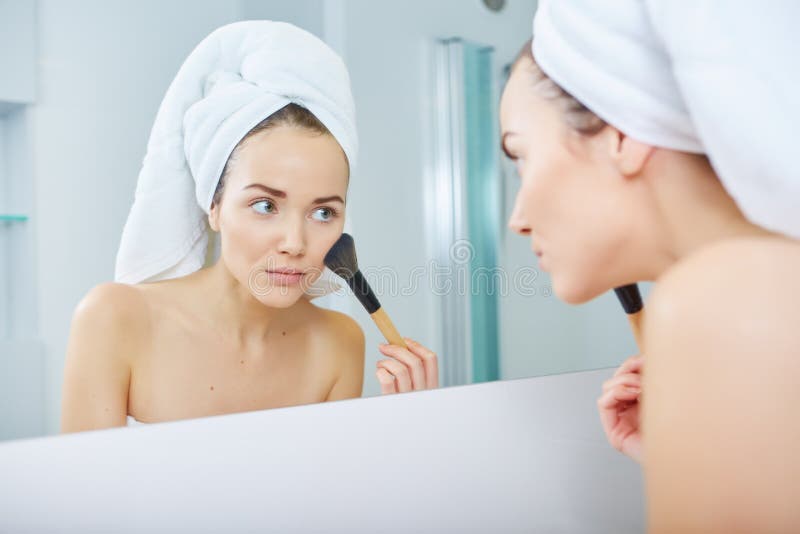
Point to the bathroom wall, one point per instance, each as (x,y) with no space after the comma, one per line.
(307,14)
(21,356)
(17,50)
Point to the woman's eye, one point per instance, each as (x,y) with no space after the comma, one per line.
(264,207)
(323,214)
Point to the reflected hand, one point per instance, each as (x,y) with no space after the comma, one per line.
(412,369)
(619,408)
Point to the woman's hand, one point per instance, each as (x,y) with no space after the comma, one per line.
(411,369)
(619,408)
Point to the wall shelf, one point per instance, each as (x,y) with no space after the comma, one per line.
(12,218)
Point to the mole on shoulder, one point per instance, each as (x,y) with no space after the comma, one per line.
(284,333)
(241,361)
(212,388)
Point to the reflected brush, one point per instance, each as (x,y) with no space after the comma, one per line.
(341,259)
(631,300)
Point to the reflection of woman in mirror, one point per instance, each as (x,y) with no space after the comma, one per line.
(255,138)
(620,183)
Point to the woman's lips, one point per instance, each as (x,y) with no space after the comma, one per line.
(540,260)
(285,277)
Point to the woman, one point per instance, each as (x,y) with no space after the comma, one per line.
(255,139)
(616,188)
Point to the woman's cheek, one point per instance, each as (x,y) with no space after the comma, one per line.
(244,246)
(330,232)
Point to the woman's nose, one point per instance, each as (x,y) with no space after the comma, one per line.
(293,241)
(517,222)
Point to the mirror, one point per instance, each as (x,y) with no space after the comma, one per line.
(427,203)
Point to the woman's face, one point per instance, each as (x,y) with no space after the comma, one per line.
(578,209)
(281,211)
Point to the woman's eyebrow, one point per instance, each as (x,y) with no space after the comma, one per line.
(282,194)
(322,200)
(276,192)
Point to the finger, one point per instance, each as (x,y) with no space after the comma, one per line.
(627,379)
(609,405)
(413,362)
(429,360)
(609,419)
(386,381)
(613,398)
(631,365)
(624,434)
(400,372)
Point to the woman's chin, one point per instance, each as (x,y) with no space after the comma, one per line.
(572,291)
(280,297)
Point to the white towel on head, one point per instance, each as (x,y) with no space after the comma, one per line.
(712,76)
(235,78)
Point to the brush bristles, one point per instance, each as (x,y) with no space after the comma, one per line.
(341,258)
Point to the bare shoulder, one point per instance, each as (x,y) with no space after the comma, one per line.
(108,330)
(342,331)
(112,294)
(341,341)
(722,368)
(113,312)
(744,279)
(733,306)
(113,301)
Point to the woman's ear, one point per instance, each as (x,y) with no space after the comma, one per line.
(629,155)
(213,217)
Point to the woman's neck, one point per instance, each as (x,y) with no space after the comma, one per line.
(235,311)
(694,209)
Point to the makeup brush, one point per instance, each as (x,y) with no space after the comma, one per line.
(631,301)
(341,259)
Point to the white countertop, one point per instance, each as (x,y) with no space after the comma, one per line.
(516,456)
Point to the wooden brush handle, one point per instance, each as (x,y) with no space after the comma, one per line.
(635,319)
(387,328)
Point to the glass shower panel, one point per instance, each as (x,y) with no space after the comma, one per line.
(467,210)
